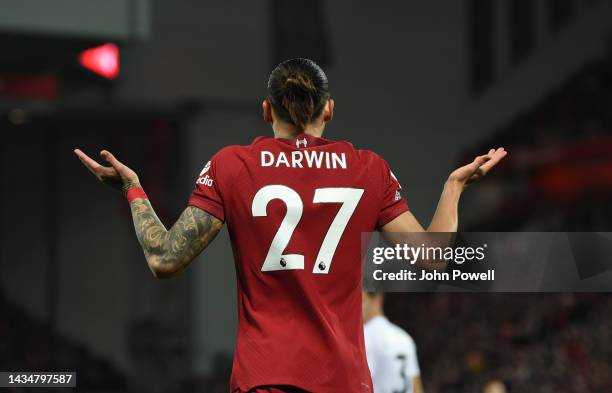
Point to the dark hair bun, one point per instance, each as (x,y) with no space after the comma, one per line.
(298,90)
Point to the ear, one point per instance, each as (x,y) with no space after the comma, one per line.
(267,111)
(328,113)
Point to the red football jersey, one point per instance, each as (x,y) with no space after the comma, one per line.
(295,211)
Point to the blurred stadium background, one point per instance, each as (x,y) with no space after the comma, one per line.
(165,84)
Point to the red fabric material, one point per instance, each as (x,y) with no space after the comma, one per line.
(298,327)
(272,389)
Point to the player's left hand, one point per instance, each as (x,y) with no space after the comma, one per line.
(481,165)
(117,176)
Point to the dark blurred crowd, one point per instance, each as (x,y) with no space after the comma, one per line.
(29,344)
(543,343)
(558,175)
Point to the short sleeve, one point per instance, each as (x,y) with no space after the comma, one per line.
(413,369)
(206,194)
(393,204)
(370,348)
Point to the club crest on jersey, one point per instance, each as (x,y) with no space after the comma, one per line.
(299,142)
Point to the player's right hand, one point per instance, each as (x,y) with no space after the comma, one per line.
(118,176)
(481,165)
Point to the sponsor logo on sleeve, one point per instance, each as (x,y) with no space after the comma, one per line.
(206,168)
(204,179)
(395,178)
(398,196)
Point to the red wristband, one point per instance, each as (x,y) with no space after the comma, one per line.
(135,193)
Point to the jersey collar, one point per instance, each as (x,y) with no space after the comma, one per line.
(300,141)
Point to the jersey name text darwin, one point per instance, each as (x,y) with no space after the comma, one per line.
(304,159)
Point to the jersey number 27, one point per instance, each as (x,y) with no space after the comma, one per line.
(275,259)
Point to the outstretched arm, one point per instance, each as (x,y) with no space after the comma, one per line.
(170,251)
(445,218)
(405,229)
(167,251)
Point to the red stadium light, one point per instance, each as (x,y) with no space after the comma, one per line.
(103,60)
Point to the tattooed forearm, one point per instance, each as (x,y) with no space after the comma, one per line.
(170,251)
(125,186)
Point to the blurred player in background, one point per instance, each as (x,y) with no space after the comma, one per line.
(295,206)
(390,350)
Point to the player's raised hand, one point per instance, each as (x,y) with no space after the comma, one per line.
(481,165)
(118,176)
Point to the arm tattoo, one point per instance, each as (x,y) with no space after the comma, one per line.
(170,251)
